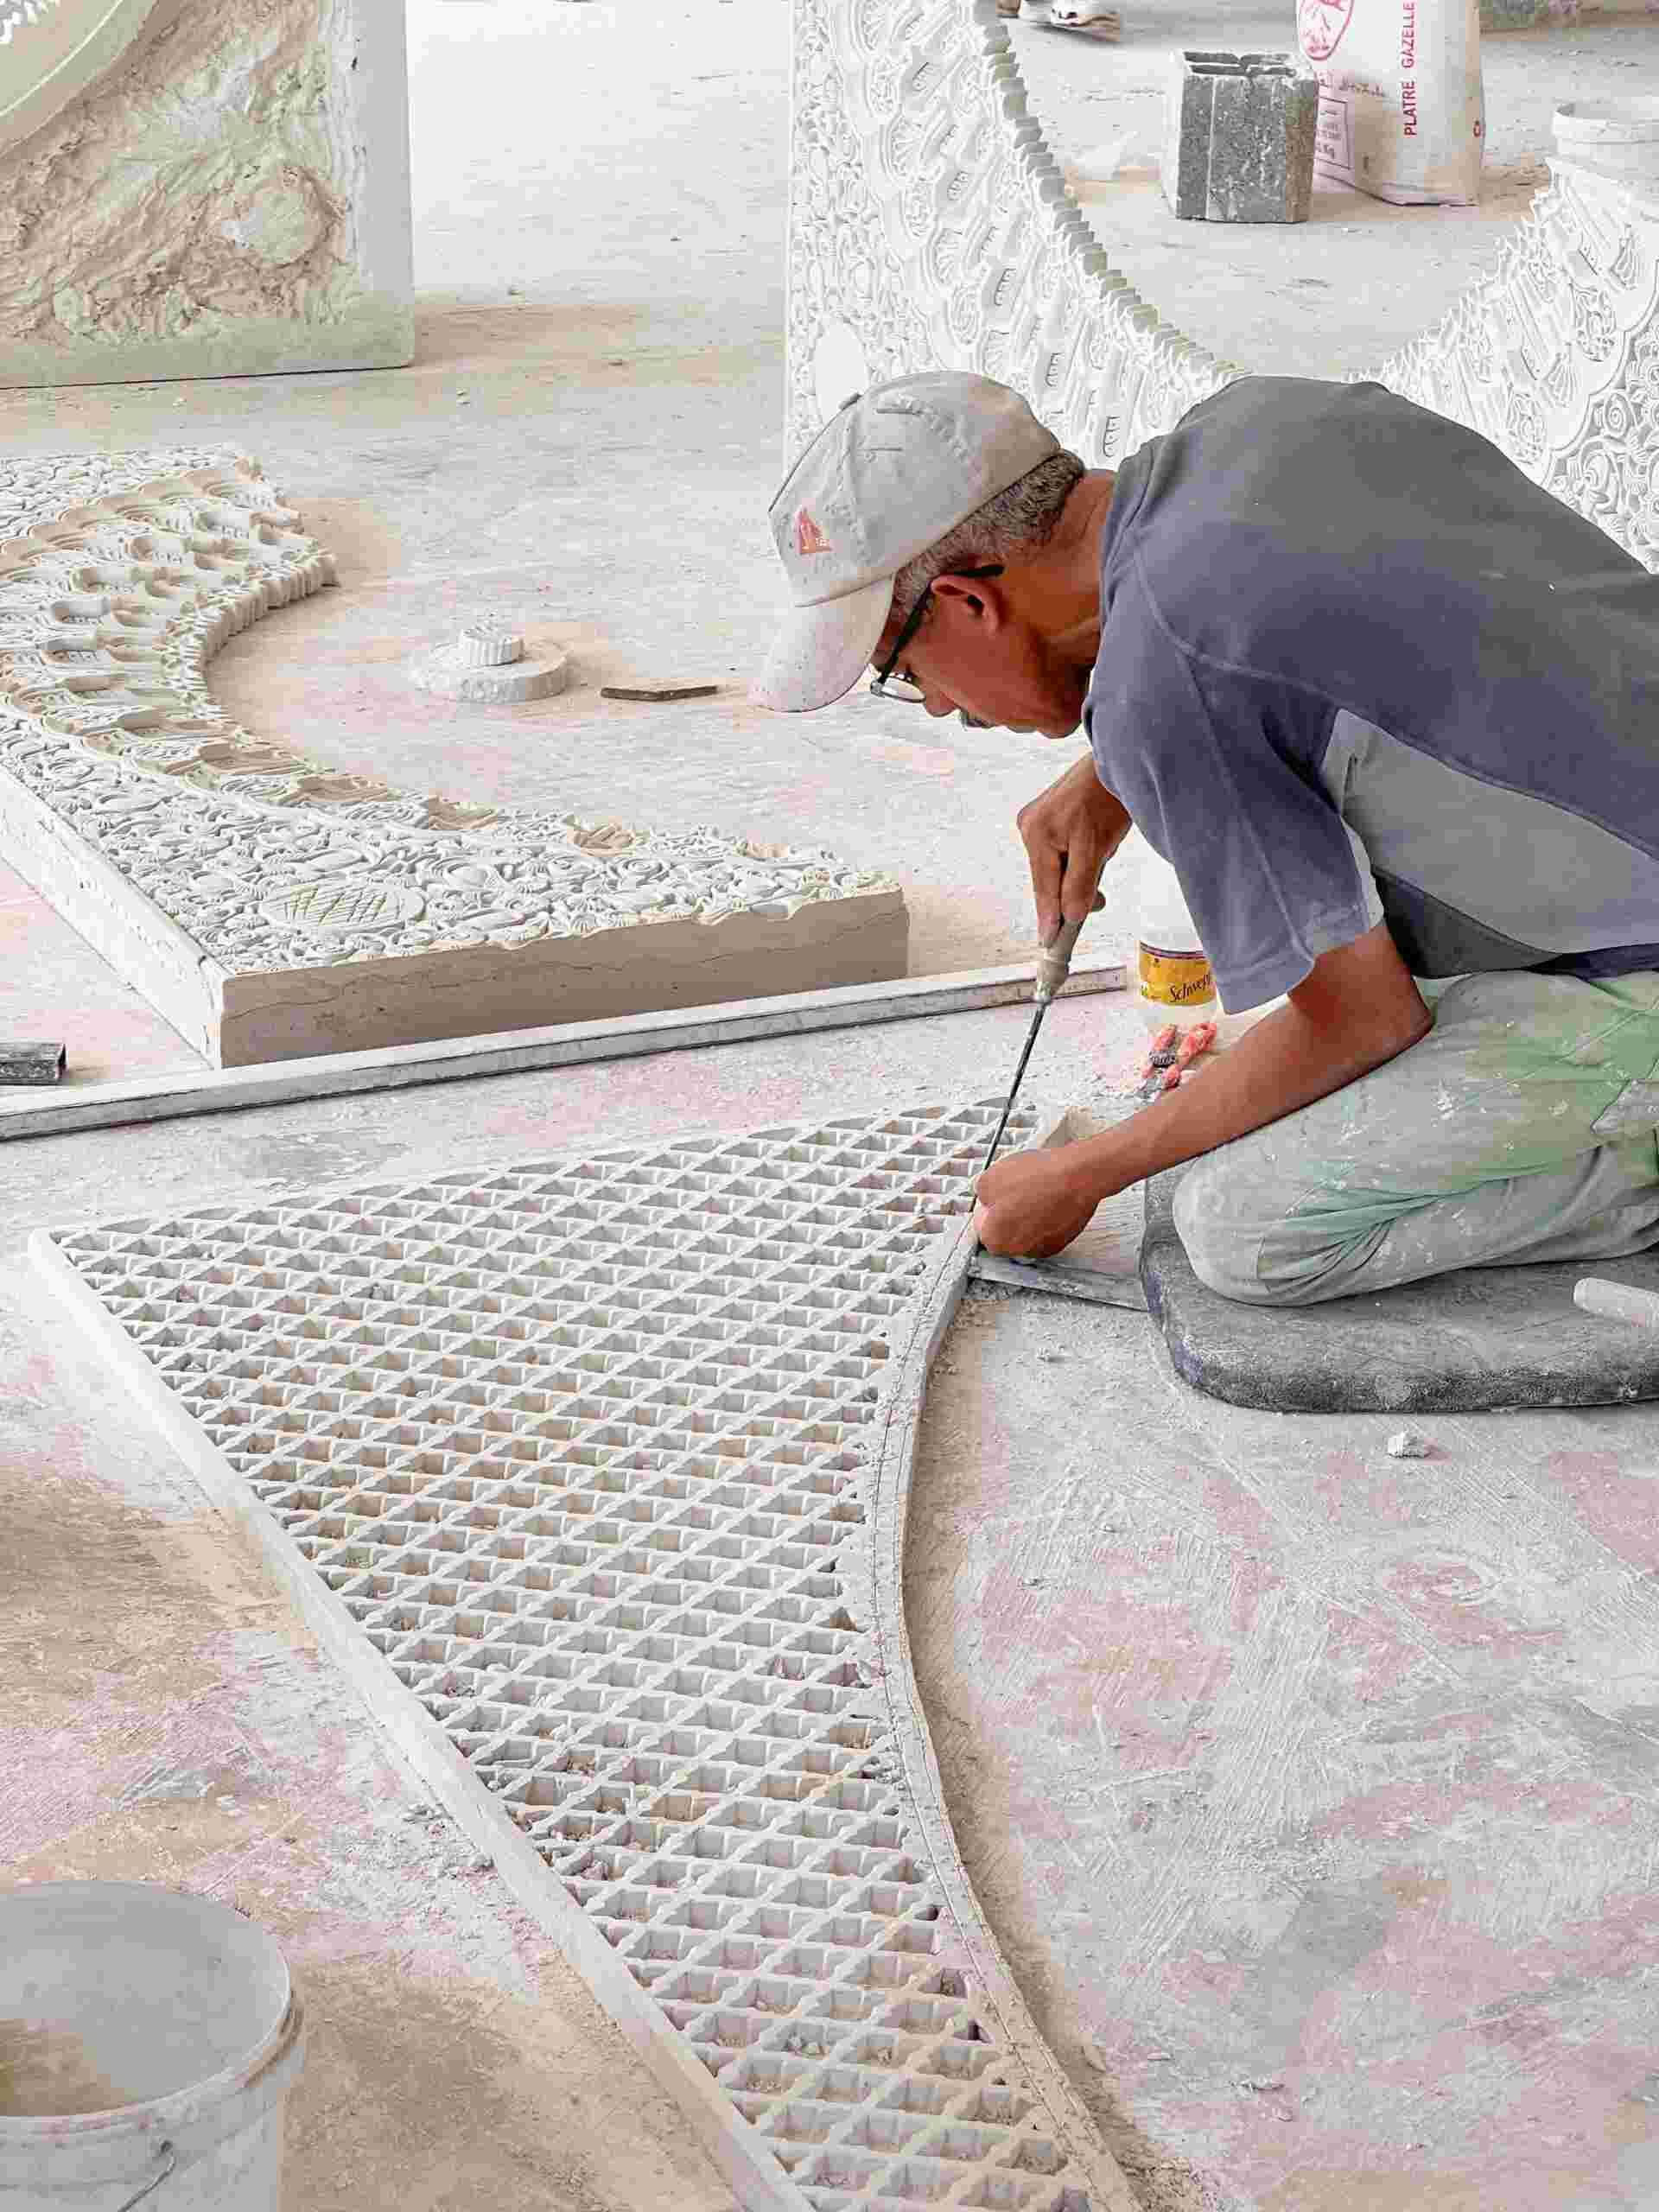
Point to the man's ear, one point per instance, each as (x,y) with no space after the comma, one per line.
(977,598)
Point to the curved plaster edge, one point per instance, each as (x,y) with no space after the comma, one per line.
(876,1570)
(64,55)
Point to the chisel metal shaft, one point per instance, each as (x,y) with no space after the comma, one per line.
(1053,966)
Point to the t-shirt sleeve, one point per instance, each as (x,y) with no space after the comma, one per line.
(1203,758)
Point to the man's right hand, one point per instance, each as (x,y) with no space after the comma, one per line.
(1070,832)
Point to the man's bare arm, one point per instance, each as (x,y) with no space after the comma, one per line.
(1356,1008)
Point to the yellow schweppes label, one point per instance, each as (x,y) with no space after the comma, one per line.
(1175,978)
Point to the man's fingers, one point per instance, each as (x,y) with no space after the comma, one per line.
(1080,891)
(1047,868)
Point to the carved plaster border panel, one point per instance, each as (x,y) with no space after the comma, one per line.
(931,225)
(594,1474)
(271,905)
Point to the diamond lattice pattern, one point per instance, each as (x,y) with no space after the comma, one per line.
(578,1445)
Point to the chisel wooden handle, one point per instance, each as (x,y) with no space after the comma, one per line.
(1054,959)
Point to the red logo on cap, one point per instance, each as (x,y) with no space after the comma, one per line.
(809,538)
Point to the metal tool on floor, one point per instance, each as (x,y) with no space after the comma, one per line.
(1058,1278)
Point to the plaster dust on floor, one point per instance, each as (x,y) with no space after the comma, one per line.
(180,1727)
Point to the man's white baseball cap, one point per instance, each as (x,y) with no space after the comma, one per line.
(888,476)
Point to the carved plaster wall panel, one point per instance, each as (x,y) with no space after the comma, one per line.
(202,188)
(930,225)
(1555,356)
(271,905)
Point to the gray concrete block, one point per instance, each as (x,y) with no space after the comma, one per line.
(1239,137)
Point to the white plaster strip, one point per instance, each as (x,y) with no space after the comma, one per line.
(510,1052)
(593,1475)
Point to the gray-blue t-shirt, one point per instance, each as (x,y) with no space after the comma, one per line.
(1355,666)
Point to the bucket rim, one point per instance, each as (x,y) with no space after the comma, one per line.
(176,2107)
(1636,113)
(160,2116)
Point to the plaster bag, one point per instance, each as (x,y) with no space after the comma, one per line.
(1401,112)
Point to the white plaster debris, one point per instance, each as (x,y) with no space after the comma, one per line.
(1408,1444)
(579,1446)
(487,665)
(190,850)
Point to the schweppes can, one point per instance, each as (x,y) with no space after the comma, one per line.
(1176,983)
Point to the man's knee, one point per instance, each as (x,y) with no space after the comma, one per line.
(1222,1229)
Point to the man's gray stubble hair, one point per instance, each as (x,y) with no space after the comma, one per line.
(1017,521)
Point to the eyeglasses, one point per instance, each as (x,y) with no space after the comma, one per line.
(884,684)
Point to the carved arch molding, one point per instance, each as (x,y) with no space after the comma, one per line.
(930,225)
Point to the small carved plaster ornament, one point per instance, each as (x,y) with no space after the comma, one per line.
(487,665)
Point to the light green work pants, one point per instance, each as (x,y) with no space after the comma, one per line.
(1525,1126)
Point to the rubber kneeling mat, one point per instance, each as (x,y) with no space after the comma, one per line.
(1475,1341)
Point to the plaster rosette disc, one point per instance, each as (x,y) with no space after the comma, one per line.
(593,1473)
(487,664)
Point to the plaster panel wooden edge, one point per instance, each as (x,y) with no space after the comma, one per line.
(298,1013)
(736,2148)
(879,1605)
(159,1098)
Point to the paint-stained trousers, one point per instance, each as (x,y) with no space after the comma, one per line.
(1525,1126)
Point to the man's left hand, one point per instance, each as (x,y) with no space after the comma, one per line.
(1032,1205)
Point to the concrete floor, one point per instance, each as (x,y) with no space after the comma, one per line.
(1445,1888)
(1312,1791)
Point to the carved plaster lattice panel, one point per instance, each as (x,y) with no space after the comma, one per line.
(202,188)
(1554,355)
(607,1459)
(269,904)
(930,226)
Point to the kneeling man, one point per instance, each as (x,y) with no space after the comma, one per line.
(1392,713)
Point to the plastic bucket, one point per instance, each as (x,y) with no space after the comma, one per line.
(1620,138)
(147,2040)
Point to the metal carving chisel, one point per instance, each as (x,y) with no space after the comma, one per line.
(1053,966)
